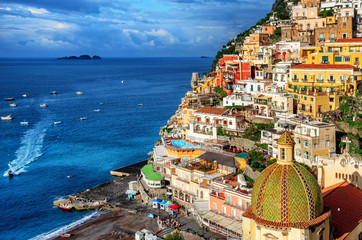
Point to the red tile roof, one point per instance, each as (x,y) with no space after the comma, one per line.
(345,202)
(323,66)
(301,225)
(212,110)
(350,40)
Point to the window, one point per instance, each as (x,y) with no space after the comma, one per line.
(327,143)
(321,37)
(201,194)
(308,25)
(338,58)
(229,199)
(300,26)
(306,143)
(247,204)
(331,78)
(327,131)
(331,99)
(315,145)
(214,207)
(224,210)
(233,213)
(346,59)
(316,24)
(306,155)
(252,88)
(283,153)
(344,24)
(311,99)
(333,36)
(297,152)
(240,202)
(295,77)
(344,35)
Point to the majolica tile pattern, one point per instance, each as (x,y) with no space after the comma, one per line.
(286,194)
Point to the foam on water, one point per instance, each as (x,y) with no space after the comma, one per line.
(30,149)
(62,230)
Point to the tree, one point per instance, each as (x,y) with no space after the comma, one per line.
(174,236)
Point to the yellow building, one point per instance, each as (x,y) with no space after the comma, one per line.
(286,201)
(344,51)
(252,44)
(319,87)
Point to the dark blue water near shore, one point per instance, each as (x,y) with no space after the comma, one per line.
(120,133)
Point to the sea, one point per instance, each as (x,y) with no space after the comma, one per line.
(117,131)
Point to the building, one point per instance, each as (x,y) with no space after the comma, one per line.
(286,201)
(151,178)
(343,51)
(319,87)
(334,29)
(238,99)
(288,51)
(281,74)
(344,167)
(208,120)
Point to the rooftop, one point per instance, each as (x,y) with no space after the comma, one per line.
(345,203)
(323,66)
(350,40)
(150,174)
(212,110)
(220,158)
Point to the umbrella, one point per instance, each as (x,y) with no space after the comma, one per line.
(156,200)
(168,204)
(173,206)
(163,202)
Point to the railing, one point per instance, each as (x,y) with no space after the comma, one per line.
(320,80)
(331,80)
(217,196)
(235,205)
(183,180)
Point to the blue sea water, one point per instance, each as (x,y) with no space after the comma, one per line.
(43,154)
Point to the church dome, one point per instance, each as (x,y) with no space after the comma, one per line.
(286,193)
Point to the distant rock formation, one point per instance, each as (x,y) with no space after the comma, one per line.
(81,57)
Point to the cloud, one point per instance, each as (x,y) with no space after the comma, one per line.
(37,10)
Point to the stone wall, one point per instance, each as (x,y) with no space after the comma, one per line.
(242,143)
(249,172)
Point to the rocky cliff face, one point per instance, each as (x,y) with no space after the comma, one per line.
(276,3)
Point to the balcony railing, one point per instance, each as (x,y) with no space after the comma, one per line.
(320,80)
(240,207)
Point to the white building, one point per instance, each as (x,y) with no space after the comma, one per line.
(238,99)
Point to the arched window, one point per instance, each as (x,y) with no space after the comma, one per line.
(306,155)
(297,140)
(306,143)
(336,175)
(201,194)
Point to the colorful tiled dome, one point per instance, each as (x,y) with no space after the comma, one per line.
(285,139)
(286,194)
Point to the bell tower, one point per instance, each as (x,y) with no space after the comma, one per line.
(286,149)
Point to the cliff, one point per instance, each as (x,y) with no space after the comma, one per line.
(276,4)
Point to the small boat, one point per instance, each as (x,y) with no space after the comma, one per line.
(58,122)
(140,104)
(9,99)
(122,81)
(53,92)
(83,118)
(68,176)
(24,123)
(101,103)
(66,207)
(13,105)
(24,95)
(43,105)
(8,117)
(66,235)
(10,173)
(96,110)
(79,93)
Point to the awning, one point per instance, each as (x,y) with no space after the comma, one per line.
(173,206)
(156,200)
(163,202)
(168,204)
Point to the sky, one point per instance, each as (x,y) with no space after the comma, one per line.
(123,28)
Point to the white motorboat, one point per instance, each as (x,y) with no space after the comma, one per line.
(43,105)
(83,118)
(24,123)
(24,95)
(79,92)
(8,117)
(58,122)
(96,110)
(13,105)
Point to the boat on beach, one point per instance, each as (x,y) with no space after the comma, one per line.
(66,235)
(43,105)
(9,99)
(66,207)
(79,92)
(13,105)
(58,122)
(24,123)
(8,117)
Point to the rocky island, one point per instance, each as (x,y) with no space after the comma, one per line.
(81,57)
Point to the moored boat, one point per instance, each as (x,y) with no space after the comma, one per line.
(13,105)
(43,105)
(24,123)
(66,207)
(9,99)
(79,92)
(58,122)
(24,95)
(83,118)
(96,110)
(53,92)
(8,117)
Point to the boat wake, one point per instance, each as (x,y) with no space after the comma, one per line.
(62,230)
(30,149)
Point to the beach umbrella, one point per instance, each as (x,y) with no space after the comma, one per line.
(156,200)
(168,204)
(173,206)
(163,202)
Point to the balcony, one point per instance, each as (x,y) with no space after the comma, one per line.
(331,80)
(183,180)
(320,80)
(295,80)
(240,207)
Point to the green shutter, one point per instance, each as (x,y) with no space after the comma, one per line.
(295,87)
(324,58)
(338,59)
